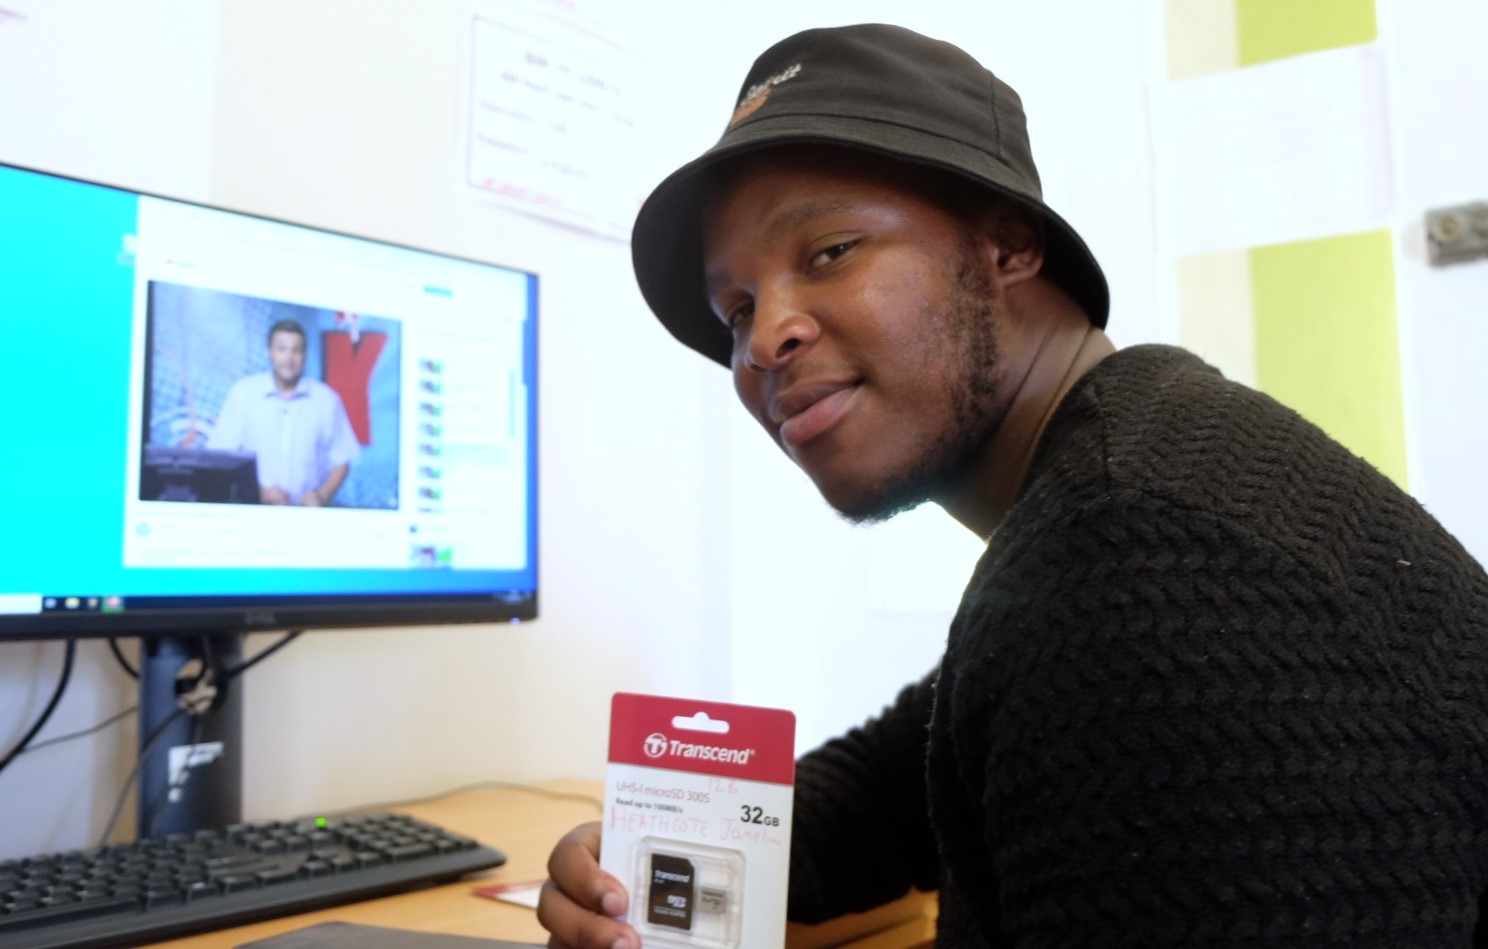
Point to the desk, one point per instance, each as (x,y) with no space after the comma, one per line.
(524,824)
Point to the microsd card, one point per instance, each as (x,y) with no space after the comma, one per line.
(670,896)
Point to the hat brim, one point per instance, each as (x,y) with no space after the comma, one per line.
(666,241)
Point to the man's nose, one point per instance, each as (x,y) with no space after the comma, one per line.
(782,327)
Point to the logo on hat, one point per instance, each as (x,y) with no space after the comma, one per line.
(755,95)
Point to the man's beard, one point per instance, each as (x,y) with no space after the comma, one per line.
(969,331)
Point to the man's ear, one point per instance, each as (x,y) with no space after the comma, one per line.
(1014,241)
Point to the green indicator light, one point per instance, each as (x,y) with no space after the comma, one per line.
(320,822)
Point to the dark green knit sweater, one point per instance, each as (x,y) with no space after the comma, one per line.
(1216,682)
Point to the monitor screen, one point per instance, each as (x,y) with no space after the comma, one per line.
(220,422)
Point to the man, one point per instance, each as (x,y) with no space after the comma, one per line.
(1215,681)
(296,426)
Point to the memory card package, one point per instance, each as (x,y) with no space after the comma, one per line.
(697,822)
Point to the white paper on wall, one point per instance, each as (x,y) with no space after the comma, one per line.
(1281,151)
(551,115)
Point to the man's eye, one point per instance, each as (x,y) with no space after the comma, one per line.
(826,255)
(738,314)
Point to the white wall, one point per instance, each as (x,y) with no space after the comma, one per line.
(1440,140)
(681,554)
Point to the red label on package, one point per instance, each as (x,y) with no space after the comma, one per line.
(716,738)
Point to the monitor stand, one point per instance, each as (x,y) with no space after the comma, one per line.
(192,777)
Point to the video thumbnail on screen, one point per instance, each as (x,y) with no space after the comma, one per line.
(258,401)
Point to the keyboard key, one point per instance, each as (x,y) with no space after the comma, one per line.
(232,884)
(162,896)
(48,915)
(277,875)
(316,868)
(407,851)
(198,889)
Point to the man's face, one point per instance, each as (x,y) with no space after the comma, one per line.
(864,325)
(287,358)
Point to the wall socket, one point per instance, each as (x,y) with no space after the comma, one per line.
(1458,233)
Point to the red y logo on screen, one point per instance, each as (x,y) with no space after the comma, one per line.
(350,357)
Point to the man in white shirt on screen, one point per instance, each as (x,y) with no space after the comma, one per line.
(296,426)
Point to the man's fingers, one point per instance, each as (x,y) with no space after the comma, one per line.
(576,927)
(579,901)
(574,867)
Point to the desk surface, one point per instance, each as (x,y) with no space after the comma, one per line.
(524,824)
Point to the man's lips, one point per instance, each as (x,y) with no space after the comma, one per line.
(806,410)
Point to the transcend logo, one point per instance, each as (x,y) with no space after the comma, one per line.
(683,749)
(655,745)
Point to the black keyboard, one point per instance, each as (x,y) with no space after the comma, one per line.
(165,887)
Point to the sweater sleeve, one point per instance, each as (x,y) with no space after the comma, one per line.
(861,833)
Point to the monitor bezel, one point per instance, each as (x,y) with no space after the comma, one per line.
(241,615)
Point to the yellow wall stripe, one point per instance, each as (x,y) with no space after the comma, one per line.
(1326,341)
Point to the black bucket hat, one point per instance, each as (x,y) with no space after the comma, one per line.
(875,88)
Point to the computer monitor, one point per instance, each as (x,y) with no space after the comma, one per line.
(217,423)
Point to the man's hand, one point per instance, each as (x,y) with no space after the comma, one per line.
(579,901)
(310,499)
(272,495)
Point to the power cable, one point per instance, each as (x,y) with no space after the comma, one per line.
(111,720)
(67,659)
(148,747)
(227,675)
(123,660)
(474,786)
